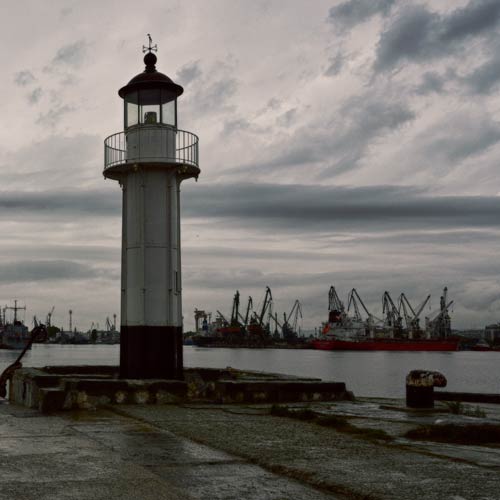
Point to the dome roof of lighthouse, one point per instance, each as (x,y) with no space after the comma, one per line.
(150,78)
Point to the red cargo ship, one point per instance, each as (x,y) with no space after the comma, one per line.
(333,344)
(343,332)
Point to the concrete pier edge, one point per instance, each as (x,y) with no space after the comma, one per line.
(55,388)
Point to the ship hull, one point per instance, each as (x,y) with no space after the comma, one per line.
(385,345)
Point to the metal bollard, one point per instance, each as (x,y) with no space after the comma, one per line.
(420,388)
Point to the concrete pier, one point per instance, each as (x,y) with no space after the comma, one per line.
(226,452)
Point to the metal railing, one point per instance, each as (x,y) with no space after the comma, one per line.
(151,144)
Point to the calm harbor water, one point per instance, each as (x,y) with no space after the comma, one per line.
(373,374)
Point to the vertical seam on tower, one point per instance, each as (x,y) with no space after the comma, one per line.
(143,245)
(179,263)
(124,293)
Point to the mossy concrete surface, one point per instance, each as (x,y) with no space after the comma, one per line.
(55,388)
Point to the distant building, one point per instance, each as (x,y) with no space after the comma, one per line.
(492,333)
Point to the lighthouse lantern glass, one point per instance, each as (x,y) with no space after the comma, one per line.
(150,107)
(131,111)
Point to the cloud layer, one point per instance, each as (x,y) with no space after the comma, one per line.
(351,142)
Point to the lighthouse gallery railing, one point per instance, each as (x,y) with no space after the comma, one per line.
(151,144)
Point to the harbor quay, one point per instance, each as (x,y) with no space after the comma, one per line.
(349,448)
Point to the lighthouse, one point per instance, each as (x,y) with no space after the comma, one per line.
(150,158)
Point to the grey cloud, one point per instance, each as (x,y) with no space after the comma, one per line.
(23,78)
(370,117)
(336,64)
(66,11)
(364,119)
(287,118)
(35,95)
(251,277)
(352,12)
(335,145)
(274,103)
(475,18)
(485,78)
(211,97)
(221,252)
(217,93)
(66,203)
(431,82)
(72,251)
(53,161)
(72,54)
(418,34)
(412,35)
(47,270)
(211,89)
(189,72)
(53,117)
(305,208)
(429,239)
(232,126)
(444,147)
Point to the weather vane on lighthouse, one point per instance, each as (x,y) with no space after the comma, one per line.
(151,48)
(150,159)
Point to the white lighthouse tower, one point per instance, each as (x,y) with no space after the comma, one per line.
(150,159)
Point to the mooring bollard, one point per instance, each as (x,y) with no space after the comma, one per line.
(420,388)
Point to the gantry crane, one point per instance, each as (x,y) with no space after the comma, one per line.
(353,301)
(49,317)
(411,317)
(235,310)
(289,328)
(247,314)
(440,325)
(268,298)
(393,320)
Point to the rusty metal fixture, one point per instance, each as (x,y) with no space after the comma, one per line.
(39,333)
(420,388)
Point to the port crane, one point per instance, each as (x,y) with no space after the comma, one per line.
(393,319)
(289,328)
(272,316)
(232,327)
(109,325)
(336,309)
(247,314)
(355,301)
(225,322)
(411,316)
(235,310)
(268,298)
(440,325)
(48,320)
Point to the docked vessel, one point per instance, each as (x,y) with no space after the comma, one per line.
(346,330)
(253,328)
(15,334)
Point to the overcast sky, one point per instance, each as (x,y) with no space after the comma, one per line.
(353,143)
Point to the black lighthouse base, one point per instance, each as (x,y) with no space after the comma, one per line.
(151,352)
